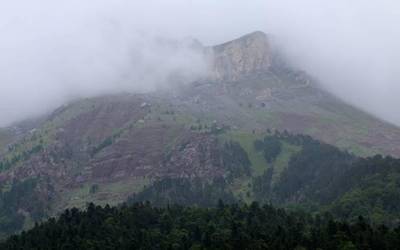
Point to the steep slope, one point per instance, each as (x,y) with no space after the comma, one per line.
(102,150)
(255,88)
(107,148)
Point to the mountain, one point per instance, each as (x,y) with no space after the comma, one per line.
(111,148)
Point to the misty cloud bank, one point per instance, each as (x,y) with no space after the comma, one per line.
(55,51)
(353,47)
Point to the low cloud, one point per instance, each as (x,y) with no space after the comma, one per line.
(352,47)
(54,51)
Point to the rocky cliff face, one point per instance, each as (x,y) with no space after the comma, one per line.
(235,59)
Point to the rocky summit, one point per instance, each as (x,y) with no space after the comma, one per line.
(239,58)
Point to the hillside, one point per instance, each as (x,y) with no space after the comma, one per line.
(106,149)
(296,172)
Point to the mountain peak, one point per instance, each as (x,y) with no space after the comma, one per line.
(256,36)
(248,54)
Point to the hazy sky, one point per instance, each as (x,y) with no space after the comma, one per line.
(53,51)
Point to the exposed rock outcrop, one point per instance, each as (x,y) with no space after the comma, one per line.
(235,59)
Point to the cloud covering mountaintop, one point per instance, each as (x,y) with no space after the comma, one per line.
(55,51)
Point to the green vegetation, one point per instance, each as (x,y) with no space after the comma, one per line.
(17,202)
(282,160)
(306,174)
(246,141)
(270,146)
(242,189)
(357,149)
(372,189)
(254,147)
(283,169)
(320,177)
(15,158)
(105,193)
(37,140)
(235,160)
(185,191)
(141,226)
(105,143)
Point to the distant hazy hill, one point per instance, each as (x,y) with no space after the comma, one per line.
(105,149)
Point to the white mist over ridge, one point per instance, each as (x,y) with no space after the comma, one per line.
(57,52)
(352,47)
(54,51)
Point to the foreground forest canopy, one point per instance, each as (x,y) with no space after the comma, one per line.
(142,226)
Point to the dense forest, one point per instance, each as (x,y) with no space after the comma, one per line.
(188,192)
(323,178)
(142,226)
(13,198)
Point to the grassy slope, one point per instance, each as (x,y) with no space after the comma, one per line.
(44,135)
(283,158)
(242,187)
(246,140)
(107,193)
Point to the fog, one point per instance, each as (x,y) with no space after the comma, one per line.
(52,52)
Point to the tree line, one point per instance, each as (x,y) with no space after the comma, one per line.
(143,226)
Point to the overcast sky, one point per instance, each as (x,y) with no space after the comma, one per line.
(53,51)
